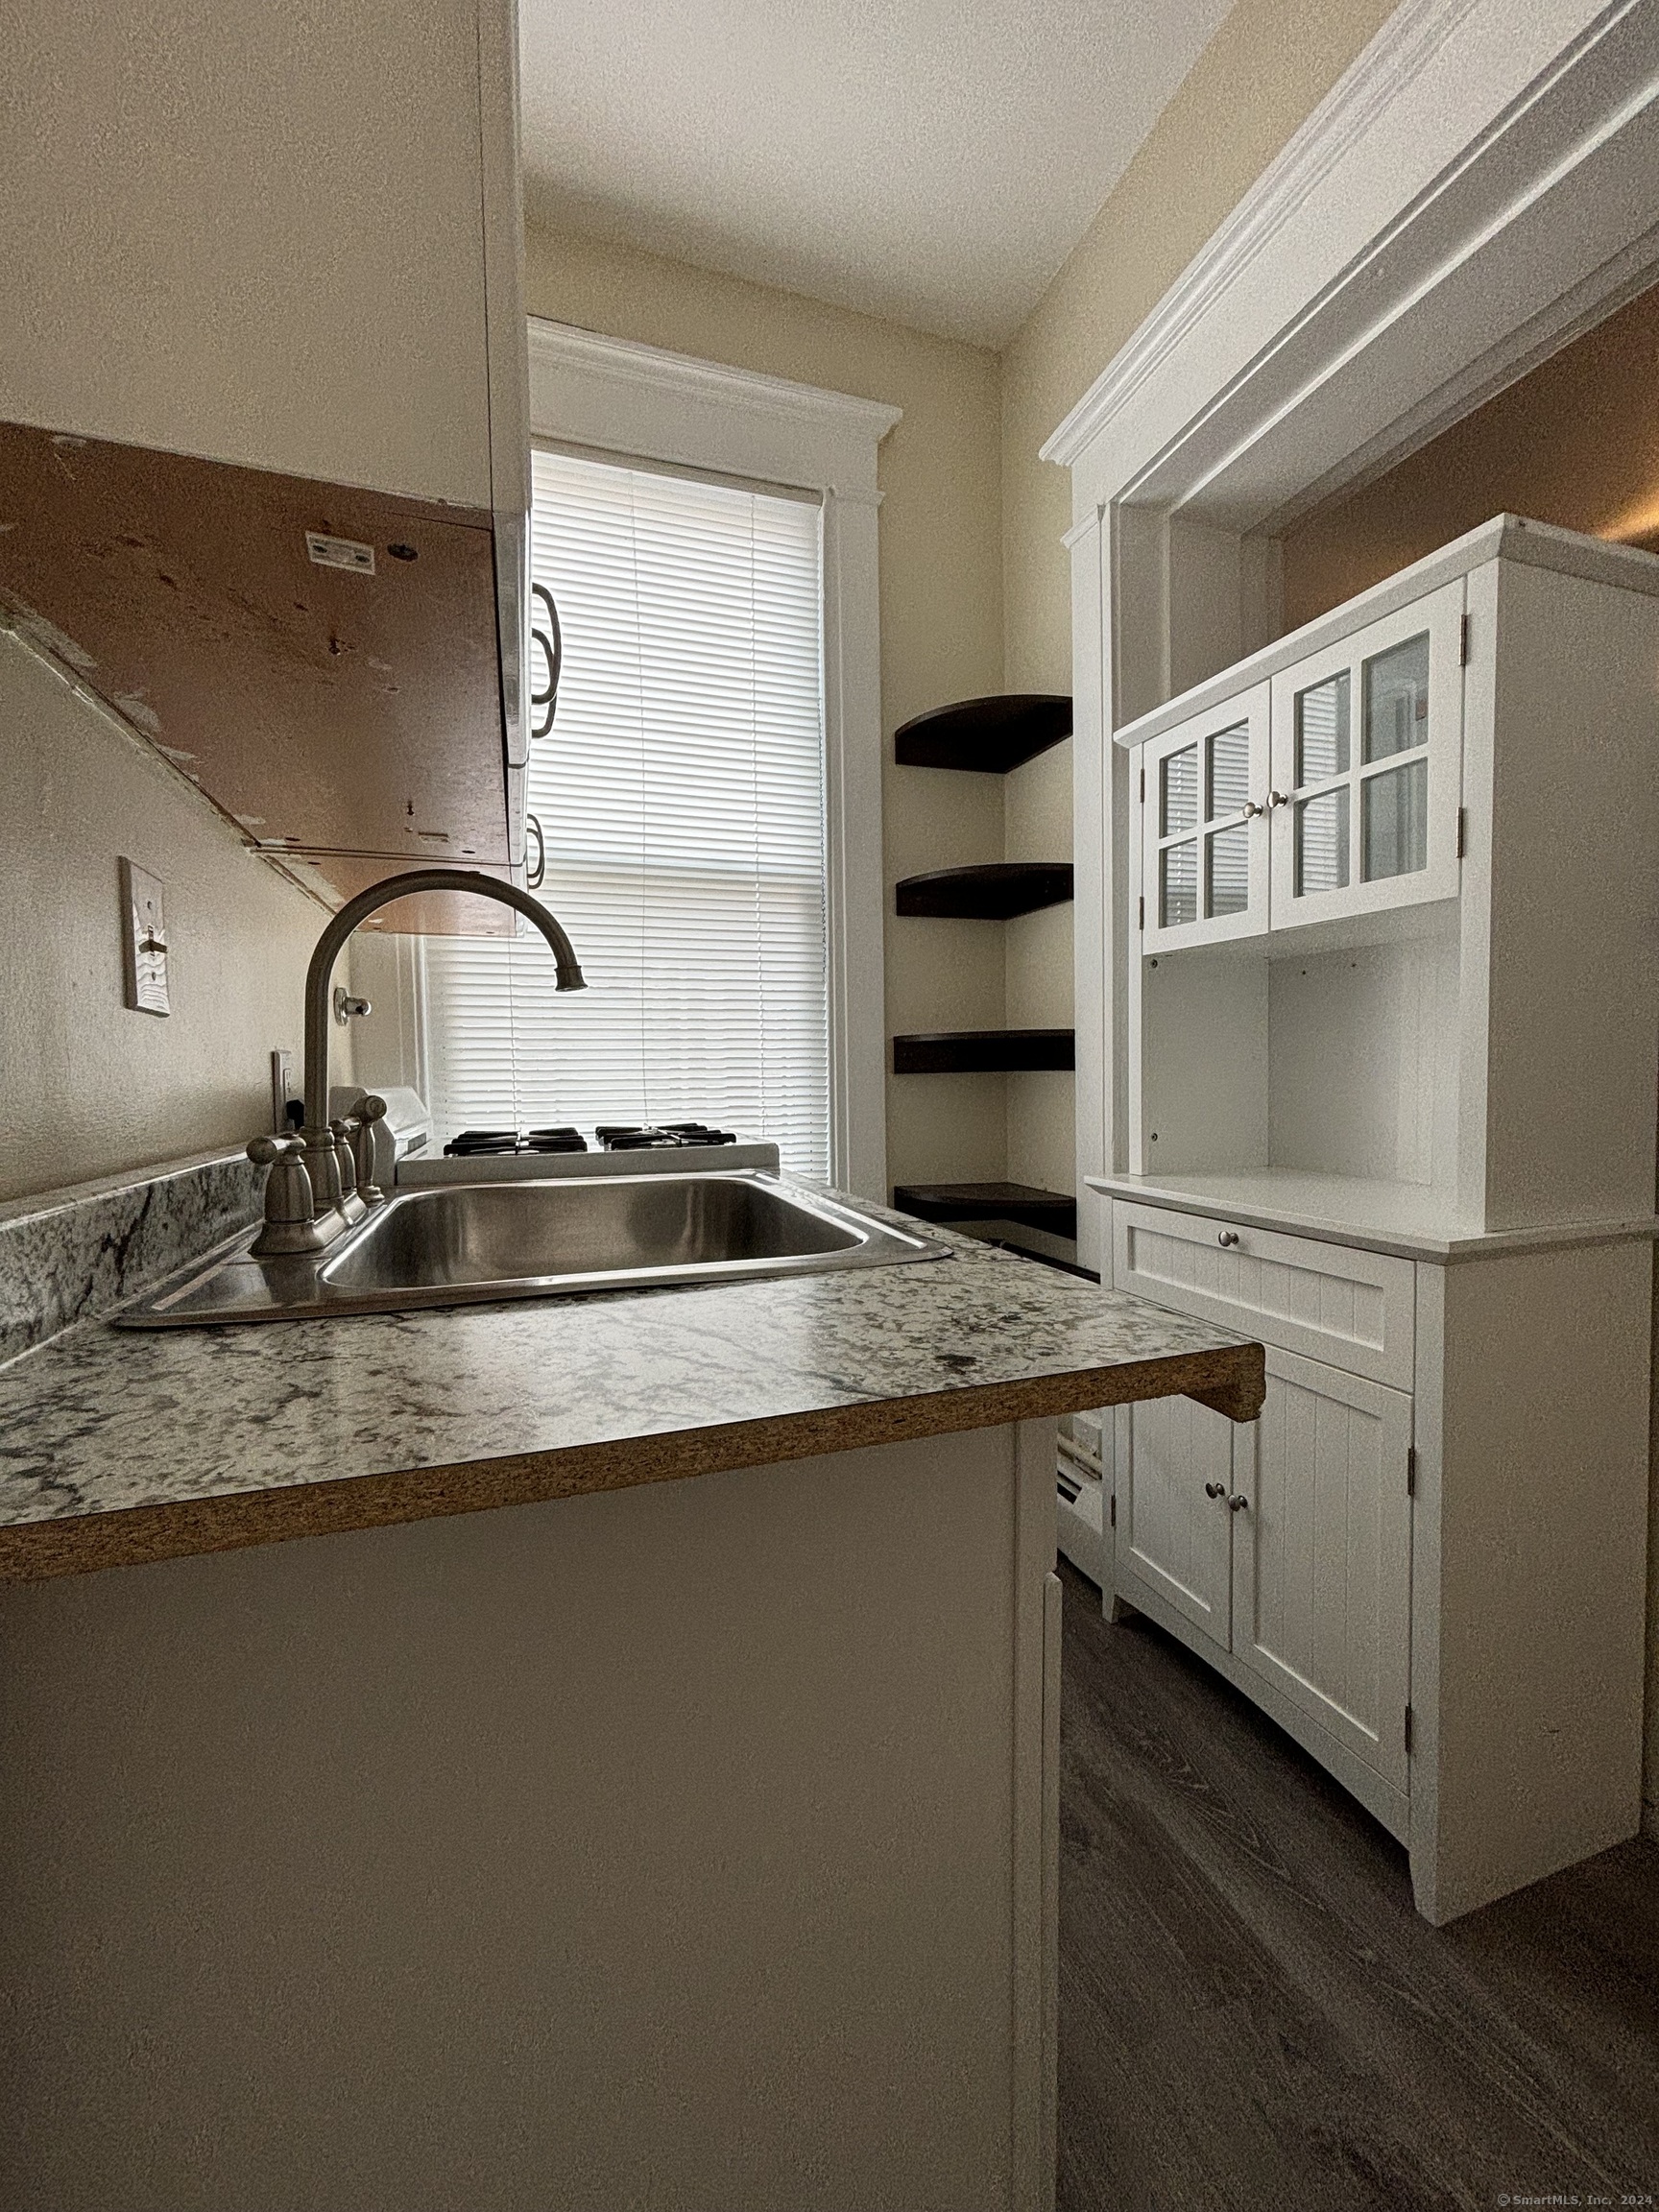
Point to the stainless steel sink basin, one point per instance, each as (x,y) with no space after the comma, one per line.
(456,1243)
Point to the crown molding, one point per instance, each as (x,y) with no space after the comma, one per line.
(825,440)
(1458,72)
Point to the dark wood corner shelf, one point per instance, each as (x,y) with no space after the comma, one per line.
(984,1051)
(994,893)
(1020,1202)
(987,736)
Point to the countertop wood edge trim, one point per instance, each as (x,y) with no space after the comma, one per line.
(1229,1378)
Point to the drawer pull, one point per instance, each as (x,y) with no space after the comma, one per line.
(1227,1237)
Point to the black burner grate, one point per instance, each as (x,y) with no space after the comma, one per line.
(610,1136)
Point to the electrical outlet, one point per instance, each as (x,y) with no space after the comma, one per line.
(143,941)
(284,1085)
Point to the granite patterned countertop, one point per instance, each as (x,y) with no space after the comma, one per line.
(118,1447)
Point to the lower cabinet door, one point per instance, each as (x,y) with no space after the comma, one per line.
(1322,1554)
(1174,1474)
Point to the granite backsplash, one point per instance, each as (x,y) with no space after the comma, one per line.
(69,1254)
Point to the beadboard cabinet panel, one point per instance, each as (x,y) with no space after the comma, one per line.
(1330,1301)
(1175,1469)
(1322,1554)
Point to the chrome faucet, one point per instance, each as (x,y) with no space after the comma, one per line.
(321,1182)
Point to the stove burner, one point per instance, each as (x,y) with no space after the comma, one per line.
(612,1137)
(479,1144)
(668,1136)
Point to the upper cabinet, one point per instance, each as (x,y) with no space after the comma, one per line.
(1204,849)
(1330,789)
(1366,748)
(1390,918)
(266,235)
(264,290)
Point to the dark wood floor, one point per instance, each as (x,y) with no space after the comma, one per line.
(1254,2019)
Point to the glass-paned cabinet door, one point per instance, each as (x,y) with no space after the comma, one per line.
(1367,750)
(1203,795)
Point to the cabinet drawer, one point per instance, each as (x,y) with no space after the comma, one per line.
(1352,1310)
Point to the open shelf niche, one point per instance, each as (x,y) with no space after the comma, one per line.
(995,892)
(1304,1065)
(1021,1203)
(985,736)
(984,1051)
(988,738)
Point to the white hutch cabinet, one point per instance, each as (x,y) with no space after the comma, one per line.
(1393,1050)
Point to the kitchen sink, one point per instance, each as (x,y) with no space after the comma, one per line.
(462,1243)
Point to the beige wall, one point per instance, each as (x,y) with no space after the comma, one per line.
(1266,69)
(87,1088)
(1577,441)
(941,612)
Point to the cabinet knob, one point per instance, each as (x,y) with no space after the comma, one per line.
(1215,1489)
(1251,809)
(1227,1237)
(1278,798)
(1237,1502)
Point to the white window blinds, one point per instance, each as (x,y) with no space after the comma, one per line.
(680,796)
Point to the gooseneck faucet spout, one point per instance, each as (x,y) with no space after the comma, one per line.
(320,973)
(322,1165)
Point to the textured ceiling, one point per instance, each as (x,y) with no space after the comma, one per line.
(930,161)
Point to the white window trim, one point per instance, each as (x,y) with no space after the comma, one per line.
(611,396)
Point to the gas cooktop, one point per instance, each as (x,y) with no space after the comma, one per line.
(609,1136)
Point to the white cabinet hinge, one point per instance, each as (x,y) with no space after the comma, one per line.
(1408,1728)
(1142,786)
(1462,832)
(1411,1469)
(1140,913)
(1463,642)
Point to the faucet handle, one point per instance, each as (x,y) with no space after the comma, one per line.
(341,1131)
(290,1203)
(368,1111)
(323,1166)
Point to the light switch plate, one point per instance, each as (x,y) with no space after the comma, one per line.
(143,941)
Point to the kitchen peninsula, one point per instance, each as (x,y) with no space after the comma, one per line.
(641,1841)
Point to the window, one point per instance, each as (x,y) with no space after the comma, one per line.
(681,793)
